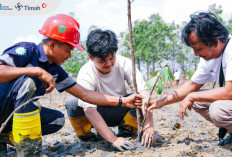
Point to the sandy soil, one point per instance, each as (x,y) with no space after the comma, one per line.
(196,137)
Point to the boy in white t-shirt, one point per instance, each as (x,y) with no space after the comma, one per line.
(210,40)
(107,72)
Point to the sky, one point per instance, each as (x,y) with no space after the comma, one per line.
(105,14)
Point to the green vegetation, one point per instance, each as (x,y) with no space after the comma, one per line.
(154,40)
(160,77)
(73,65)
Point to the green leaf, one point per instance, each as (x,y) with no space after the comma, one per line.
(150,83)
(165,74)
(170,81)
(155,74)
(160,87)
(170,74)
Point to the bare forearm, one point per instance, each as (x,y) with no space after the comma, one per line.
(149,118)
(148,114)
(9,73)
(145,93)
(222,93)
(99,124)
(180,93)
(94,97)
(102,99)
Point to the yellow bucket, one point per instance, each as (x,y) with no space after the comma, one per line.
(27,126)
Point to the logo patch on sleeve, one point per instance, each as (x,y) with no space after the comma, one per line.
(20,51)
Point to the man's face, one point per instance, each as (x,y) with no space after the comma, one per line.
(61,53)
(201,50)
(104,66)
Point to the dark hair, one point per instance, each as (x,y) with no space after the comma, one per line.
(101,43)
(206,27)
(46,41)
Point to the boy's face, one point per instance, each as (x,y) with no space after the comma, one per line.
(104,66)
(60,53)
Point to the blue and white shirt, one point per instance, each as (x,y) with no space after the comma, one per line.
(26,54)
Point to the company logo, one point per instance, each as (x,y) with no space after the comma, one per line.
(2,7)
(44,5)
(61,29)
(27,7)
(21,51)
(18,6)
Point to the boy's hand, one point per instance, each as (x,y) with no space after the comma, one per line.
(132,101)
(122,144)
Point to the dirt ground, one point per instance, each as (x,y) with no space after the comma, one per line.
(196,137)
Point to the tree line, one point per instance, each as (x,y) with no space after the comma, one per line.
(153,40)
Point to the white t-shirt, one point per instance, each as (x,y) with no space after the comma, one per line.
(177,75)
(112,83)
(208,71)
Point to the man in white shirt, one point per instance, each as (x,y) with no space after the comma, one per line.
(107,72)
(210,40)
(177,77)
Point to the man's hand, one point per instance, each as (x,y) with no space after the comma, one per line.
(122,144)
(154,104)
(46,78)
(148,135)
(186,103)
(132,101)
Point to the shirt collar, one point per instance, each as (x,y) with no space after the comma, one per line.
(43,57)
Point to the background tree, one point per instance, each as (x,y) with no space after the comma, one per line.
(78,59)
(217,10)
(153,40)
(149,38)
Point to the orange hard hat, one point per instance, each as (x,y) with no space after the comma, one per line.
(63,28)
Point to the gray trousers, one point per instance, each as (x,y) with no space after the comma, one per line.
(112,115)
(218,112)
